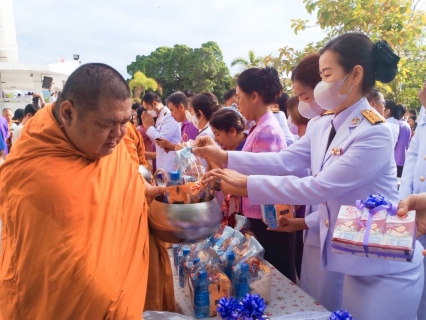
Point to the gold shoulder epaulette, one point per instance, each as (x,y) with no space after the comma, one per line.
(327,113)
(373,117)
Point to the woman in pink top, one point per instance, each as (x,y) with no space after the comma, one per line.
(257,91)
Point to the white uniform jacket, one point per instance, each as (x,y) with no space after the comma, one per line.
(365,166)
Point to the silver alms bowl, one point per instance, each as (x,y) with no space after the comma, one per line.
(184,223)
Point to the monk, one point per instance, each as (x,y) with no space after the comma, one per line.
(134,135)
(74,208)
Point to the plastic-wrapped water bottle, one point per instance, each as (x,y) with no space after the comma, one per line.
(201,296)
(229,263)
(185,254)
(242,286)
(175,255)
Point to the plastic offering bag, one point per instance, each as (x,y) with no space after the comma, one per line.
(188,164)
(163,315)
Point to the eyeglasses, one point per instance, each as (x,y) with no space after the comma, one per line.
(380,101)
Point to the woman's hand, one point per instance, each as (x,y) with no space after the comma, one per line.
(206,148)
(231,177)
(290,224)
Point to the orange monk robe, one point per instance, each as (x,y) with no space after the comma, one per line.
(160,293)
(75,231)
(137,139)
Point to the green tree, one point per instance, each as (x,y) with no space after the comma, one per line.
(252,62)
(399,22)
(140,82)
(182,67)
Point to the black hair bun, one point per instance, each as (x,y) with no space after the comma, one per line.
(271,80)
(386,62)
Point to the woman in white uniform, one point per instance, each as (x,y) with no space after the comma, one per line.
(324,286)
(392,114)
(373,288)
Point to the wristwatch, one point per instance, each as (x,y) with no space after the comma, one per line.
(216,185)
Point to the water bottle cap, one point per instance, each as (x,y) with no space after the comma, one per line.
(244,267)
(231,255)
(202,274)
(175,175)
(186,251)
(196,260)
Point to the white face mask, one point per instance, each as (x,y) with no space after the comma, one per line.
(195,121)
(327,94)
(309,109)
(152,113)
(188,116)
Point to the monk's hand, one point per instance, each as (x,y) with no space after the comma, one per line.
(206,148)
(165,144)
(147,120)
(231,177)
(153,191)
(290,224)
(415,202)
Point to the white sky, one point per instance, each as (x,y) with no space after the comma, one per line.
(114,32)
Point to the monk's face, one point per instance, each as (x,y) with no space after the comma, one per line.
(96,133)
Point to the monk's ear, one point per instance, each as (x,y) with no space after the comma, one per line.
(67,112)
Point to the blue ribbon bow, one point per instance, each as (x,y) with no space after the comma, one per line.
(229,308)
(253,306)
(341,315)
(374,203)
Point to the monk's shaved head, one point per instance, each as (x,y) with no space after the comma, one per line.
(90,83)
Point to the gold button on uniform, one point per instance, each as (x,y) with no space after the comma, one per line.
(422,178)
(326,223)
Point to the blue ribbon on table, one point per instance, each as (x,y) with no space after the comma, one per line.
(253,306)
(374,203)
(229,308)
(341,315)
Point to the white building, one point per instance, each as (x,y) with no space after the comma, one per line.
(21,77)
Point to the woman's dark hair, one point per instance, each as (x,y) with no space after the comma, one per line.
(413,112)
(282,103)
(189,93)
(402,110)
(139,113)
(150,97)
(293,111)
(229,94)
(307,71)
(177,98)
(207,103)
(414,118)
(136,106)
(264,81)
(395,111)
(377,60)
(224,120)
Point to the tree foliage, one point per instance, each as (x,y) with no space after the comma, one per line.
(182,67)
(140,82)
(399,22)
(252,62)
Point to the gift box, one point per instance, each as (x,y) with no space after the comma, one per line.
(373,229)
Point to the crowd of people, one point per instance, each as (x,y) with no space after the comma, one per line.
(76,242)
